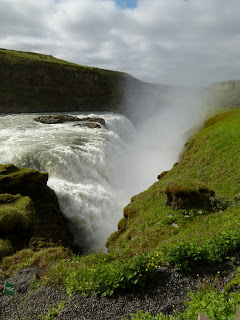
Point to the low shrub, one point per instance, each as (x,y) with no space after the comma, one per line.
(187,254)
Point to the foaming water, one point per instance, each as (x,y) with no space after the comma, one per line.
(86,167)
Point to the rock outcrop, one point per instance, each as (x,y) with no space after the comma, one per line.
(29,212)
(188,194)
(89,122)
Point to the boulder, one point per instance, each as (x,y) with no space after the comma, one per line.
(89,122)
(29,209)
(54,119)
(89,125)
(96,119)
(188,194)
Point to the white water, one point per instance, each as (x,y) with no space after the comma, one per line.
(86,168)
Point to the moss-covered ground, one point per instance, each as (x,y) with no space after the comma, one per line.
(191,216)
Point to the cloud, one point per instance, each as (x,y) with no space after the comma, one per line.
(174,41)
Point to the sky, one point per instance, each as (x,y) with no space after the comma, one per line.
(177,42)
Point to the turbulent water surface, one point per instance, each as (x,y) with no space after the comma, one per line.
(86,168)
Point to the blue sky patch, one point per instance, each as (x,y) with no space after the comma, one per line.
(126,3)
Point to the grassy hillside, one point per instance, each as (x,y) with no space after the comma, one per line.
(210,157)
(22,57)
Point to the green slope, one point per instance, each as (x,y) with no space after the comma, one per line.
(211,159)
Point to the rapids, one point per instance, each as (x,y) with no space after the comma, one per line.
(87,168)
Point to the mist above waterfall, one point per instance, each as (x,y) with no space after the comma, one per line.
(163,117)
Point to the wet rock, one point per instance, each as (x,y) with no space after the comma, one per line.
(54,119)
(89,125)
(94,119)
(88,122)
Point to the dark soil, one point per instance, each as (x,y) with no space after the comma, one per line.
(165,293)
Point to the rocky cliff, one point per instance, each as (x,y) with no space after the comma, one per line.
(225,94)
(227,85)
(32,82)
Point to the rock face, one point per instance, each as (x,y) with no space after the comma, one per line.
(29,212)
(226,85)
(56,119)
(31,82)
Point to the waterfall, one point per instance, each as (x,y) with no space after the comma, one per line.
(87,168)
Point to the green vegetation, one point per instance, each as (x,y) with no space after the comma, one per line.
(14,213)
(42,259)
(30,220)
(5,249)
(16,57)
(53,312)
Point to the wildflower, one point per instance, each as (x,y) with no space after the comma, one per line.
(218,272)
(197,275)
(146,269)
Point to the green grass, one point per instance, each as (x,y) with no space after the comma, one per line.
(42,259)
(21,57)
(14,213)
(5,248)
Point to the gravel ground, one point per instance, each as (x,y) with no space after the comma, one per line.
(165,293)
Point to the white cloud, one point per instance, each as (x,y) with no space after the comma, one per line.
(174,41)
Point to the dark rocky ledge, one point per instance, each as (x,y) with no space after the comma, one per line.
(33,219)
